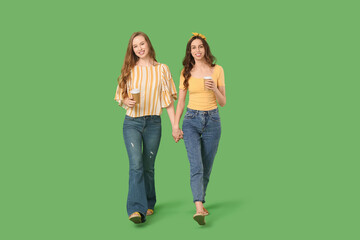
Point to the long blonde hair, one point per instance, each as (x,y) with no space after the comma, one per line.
(130,61)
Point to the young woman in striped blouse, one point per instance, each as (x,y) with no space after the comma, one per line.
(142,124)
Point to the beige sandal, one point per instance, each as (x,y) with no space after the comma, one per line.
(206,212)
(135,217)
(199,218)
(149,212)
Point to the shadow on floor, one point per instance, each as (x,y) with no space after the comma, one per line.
(218,211)
(222,210)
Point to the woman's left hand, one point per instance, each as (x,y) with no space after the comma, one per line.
(177,134)
(209,84)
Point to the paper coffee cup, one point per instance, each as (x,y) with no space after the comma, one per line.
(206,79)
(136,95)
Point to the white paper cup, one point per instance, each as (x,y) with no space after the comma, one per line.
(136,95)
(206,79)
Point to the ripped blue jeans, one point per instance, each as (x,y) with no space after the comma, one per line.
(142,138)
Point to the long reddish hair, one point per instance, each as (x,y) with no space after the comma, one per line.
(189,60)
(130,61)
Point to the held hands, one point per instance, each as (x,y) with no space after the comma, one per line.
(177,134)
(129,102)
(209,84)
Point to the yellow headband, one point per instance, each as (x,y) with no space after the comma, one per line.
(198,34)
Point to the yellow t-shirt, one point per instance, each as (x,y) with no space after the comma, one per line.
(200,98)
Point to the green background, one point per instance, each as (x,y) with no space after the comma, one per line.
(288,161)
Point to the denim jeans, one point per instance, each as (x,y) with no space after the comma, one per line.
(142,138)
(202,130)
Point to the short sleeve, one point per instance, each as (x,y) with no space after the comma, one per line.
(168,89)
(182,79)
(119,97)
(221,77)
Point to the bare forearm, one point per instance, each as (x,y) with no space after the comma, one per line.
(171,113)
(179,111)
(220,98)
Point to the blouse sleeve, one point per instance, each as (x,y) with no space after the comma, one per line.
(168,89)
(119,97)
(221,78)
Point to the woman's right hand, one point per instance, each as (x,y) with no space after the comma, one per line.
(177,134)
(129,102)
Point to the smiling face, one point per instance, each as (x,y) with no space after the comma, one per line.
(197,49)
(140,47)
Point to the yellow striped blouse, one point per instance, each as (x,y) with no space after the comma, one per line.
(157,90)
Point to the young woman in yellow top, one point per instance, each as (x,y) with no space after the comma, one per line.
(142,124)
(201,126)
